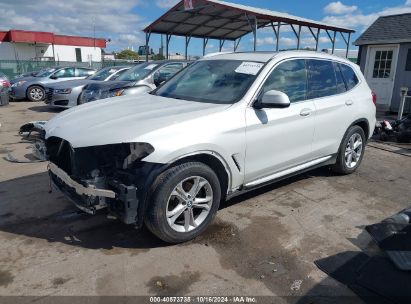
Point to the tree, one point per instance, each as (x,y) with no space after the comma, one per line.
(158,57)
(128,55)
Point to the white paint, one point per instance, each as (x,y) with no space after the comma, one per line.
(29,51)
(383,87)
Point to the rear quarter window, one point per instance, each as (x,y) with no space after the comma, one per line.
(351,79)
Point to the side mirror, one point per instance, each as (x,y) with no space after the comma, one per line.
(54,77)
(273,99)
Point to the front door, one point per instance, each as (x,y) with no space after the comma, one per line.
(380,73)
(279,139)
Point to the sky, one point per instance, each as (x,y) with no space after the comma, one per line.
(122,21)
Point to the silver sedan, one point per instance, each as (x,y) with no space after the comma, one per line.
(66,94)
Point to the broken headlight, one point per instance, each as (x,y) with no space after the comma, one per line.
(138,151)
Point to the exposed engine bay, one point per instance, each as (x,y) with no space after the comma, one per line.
(100,177)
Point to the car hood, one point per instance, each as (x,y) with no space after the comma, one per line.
(124,119)
(70,83)
(108,86)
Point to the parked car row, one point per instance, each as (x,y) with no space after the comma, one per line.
(33,87)
(142,78)
(66,87)
(224,125)
(66,93)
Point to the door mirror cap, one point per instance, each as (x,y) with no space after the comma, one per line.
(273,99)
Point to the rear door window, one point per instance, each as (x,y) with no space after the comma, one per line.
(83,72)
(65,73)
(349,75)
(322,81)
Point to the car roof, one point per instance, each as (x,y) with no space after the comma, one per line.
(267,56)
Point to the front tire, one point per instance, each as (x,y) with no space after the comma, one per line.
(351,151)
(184,201)
(36,93)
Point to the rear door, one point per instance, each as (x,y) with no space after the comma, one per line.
(278,139)
(335,107)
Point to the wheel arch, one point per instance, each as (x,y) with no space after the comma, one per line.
(214,161)
(364,124)
(209,158)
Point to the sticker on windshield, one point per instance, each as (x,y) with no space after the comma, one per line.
(112,71)
(150,67)
(249,68)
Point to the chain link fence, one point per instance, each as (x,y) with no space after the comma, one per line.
(13,68)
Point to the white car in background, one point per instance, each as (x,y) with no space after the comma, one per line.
(225,125)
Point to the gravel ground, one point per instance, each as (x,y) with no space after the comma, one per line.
(261,244)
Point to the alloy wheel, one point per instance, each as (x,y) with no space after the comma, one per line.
(353,151)
(189,204)
(37,94)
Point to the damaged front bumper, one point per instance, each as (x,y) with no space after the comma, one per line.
(120,200)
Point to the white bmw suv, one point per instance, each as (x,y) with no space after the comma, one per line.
(227,124)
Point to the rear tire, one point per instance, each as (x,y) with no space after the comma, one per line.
(36,93)
(351,151)
(184,201)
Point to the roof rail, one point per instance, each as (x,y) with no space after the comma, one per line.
(216,54)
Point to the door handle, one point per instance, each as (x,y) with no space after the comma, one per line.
(306,112)
(349,102)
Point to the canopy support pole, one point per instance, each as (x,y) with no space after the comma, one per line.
(297,34)
(347,42)
(332,40)
(318,39)
(187,43)
(254,28)
(168,38)
(316,36)
(237,44)
(276,30)
(148,35)
(222,41)
(205,42)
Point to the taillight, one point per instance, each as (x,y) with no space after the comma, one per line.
(374,98)
(5,83)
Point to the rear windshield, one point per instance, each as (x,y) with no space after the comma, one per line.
(103,74)
(139,72)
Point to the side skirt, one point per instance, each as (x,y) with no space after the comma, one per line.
(285,174)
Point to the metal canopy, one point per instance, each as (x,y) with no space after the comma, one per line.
(213,19)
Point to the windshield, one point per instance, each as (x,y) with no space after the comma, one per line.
(103,74)
(45,72)
(212,81)
(139,72)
